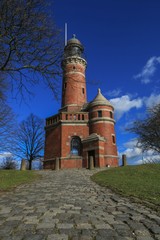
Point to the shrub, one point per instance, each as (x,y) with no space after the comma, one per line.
(9,163)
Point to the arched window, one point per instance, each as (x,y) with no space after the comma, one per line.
(76,146)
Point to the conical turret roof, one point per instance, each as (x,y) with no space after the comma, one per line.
(100,100)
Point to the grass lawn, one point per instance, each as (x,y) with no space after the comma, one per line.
(13,178)
(142,181)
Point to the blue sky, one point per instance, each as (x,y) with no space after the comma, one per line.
(122,48)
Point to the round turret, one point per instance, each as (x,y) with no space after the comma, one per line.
(101,113)
(101,122)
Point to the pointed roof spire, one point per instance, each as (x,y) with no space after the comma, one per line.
(100,100)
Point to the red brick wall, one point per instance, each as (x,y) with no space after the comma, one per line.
(112,162)
(67,132)
(52,143)
(71,163)
(104,128)
(73,84)
(106,110)
(74,67)
(49,165)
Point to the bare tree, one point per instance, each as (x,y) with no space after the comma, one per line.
(148,130)
(3,87)
(30,46)
(9,163)
(29,140)
(7,126)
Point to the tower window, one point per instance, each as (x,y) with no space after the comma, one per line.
(65,85)
(79,117)
(111,115)
(113,139)
(99,113)
(76,146)
(83,90)
(82,116)
(66,116)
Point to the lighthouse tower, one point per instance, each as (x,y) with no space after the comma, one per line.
(66,130)
(74,82)
(80,129)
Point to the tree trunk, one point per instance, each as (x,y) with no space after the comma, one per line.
(30,164)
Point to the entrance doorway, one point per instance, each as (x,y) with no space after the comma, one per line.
(92,153)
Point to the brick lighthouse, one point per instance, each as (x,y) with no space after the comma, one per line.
(80,129)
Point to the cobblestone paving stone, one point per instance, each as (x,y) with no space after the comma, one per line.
(67,205)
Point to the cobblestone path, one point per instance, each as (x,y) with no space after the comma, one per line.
(67,205)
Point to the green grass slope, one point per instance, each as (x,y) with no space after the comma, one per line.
(141,181)
(13,178)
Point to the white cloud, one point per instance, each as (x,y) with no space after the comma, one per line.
(131,144)
(131,149)
(148,70)
(148,158)
(152,100)
(135,155)
(124,104)
(133,152)
(114,93)
(4,155)
(139,162)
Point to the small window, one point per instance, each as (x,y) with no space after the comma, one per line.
(113,139)
(99,113)
(65,85)
(66,116)
(75,117)
(74,67)
(83,90)
(82,117)
(79,117)
(111,115)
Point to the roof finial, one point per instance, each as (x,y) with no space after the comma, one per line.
(74,35)
(99,90)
